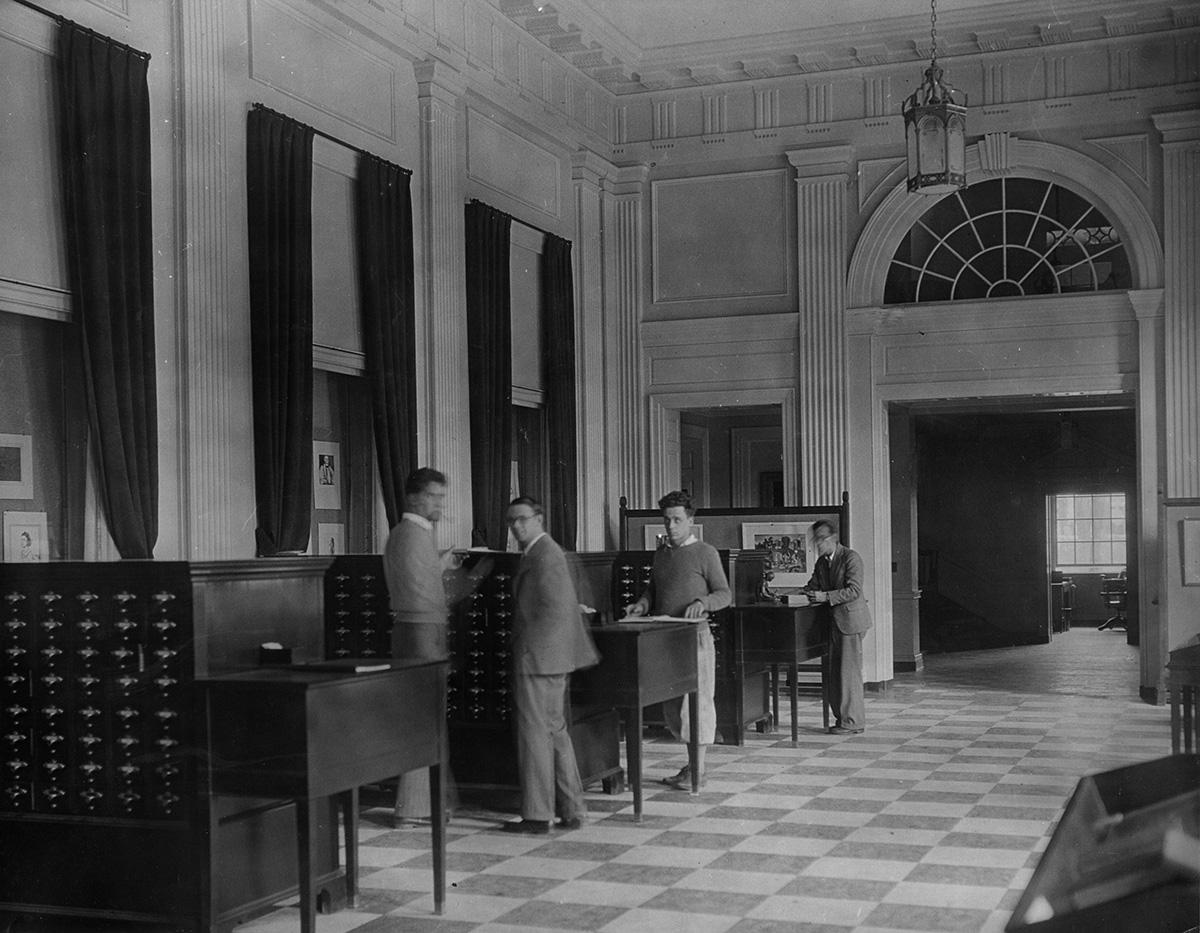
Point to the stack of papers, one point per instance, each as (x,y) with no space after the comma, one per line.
(660,619)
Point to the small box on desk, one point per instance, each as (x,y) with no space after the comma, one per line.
(273,655)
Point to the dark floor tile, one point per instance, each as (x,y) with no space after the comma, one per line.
(984,812)
(989,841)
(584,851)
(807,830)
(767,863)
(888,851)
(458,861)
(864,779)
(844,804)
(927,919)
(913,821)
(784,926)
(687,900)
(560,916)
(684,840)
(623,873)
(933,873)
(381,901)
(845,889)
(498,885)
(418,837)
(747,813)
(939,796)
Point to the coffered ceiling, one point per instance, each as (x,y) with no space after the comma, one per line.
(635,46)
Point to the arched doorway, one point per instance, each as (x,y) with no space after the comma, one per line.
(1021,346)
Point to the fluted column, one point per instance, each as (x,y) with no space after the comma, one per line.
(821,179)
(1181,232)
(625,404)
(215,525)
(444,438)
(588,172)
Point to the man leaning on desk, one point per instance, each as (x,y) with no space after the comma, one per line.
(687,580)
(837,581)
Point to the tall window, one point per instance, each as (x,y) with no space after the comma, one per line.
(1089,532)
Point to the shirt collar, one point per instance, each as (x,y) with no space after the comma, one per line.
(533,542)
(691,539)
(417,520)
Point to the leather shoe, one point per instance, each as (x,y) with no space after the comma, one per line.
(573,822)
(842,730)
(530,827)
(682,780)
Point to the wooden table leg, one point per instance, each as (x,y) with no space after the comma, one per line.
(437,817)
(774,697)
(826,667)
(694,738)
(794,673)
(348,802)
(306,839)
(633,753)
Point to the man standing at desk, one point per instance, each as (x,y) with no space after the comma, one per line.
(686,580)
(837,581)
(549,641)
(413,570)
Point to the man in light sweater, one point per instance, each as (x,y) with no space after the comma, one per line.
(413,569)
(687,580)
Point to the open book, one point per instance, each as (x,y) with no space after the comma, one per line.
(662,619)
(346,665)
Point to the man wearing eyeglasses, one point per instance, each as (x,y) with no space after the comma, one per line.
(549,641)
(837,581)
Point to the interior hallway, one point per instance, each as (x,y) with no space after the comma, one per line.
(932,820)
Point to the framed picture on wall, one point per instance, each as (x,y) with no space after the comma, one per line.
(327,475)
(655,537)
(331,539)
(25,540)
(16,466)
(793,554)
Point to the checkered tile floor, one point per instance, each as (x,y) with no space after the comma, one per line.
(931,820)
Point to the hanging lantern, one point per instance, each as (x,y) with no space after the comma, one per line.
(935,122)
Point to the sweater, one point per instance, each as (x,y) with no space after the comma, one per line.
(681,575)
(413,571)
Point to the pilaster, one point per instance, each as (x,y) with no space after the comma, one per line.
(588,173)
(626,424)
(212,524)
(822,176)
(1181,233)
(444,439)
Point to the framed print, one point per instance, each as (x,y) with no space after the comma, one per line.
(656,537)
(793,553)
(331,538)
(327,475)
(25,538)
(16,466)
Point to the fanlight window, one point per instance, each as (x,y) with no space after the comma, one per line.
(1005,238)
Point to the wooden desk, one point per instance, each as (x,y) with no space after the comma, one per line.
(304,735)
(775,634)
(641,663)
(1183,685)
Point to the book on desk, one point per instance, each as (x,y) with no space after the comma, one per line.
(346,665)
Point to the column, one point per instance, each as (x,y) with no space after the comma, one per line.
(216,524)
(626,437)
(822,175)
(444,439)
(1181,232)
(588,172)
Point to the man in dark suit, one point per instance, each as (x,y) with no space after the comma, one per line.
(837,581)
(549,640)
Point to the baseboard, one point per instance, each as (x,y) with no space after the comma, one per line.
(1151,695)
(878,686)
(909,666)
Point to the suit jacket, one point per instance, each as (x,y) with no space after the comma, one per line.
(841,576)
(549,634)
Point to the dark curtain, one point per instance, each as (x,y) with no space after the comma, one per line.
(558,367)
(279,202)
(104,106)
(385,269)
(489,359)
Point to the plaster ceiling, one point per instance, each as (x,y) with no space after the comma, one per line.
(634,46)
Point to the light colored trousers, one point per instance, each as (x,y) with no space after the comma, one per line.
(846,680)
(550,782)
(676,711)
